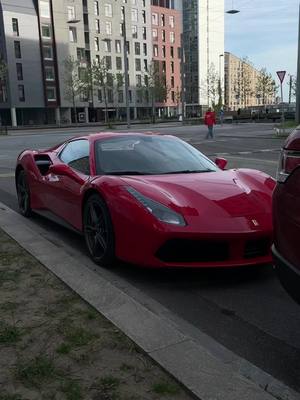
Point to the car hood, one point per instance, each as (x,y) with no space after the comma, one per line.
(212,196)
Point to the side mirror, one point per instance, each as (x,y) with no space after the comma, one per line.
(59,169)
(221,163)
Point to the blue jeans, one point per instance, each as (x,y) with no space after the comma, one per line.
(210,132)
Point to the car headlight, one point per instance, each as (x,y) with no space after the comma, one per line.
(161,212)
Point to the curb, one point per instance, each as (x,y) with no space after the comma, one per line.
(190,362)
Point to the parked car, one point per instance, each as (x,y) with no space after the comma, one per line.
(151,200)
(286,216)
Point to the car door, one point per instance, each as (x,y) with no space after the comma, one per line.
(65,188)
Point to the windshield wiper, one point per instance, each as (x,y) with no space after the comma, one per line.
(189,171)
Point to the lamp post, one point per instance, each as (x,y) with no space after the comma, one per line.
(298,78)
(126,80)
(232,10)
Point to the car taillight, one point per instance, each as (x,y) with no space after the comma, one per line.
(289,160)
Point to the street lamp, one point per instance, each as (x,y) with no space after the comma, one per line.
(232,10)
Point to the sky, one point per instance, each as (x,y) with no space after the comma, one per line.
(266,31)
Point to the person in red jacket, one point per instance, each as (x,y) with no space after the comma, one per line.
(210,121)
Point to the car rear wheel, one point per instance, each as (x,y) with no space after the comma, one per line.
(23,194)
(98,231)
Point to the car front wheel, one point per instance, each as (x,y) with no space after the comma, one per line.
(98,231)
(23,194)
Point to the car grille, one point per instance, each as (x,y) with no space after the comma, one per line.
(185,251)
(257,248)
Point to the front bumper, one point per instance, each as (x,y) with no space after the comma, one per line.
(288,275)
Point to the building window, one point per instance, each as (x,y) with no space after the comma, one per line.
(97,44)
(172,82)
(48,54)
(120,96)
(72,34)
(49,74)
(162,20)
(107,45)
(154,19)
(108,28)
(44,9)
(155,50)
(108,10)
(80,54)
(172,37)
(46,31)
(15,27)
(145,49)
(145,65)
(134,31)
(144,33)
(164,51)
(96,8)
(173,96)
(163,35)
(130,95)
(171,21)
(97,25)
(19,72)
(138,79)
(172,51)
(100,95)
(71,13)
(118,46)
(144,16)
(97,59)
(110,96)
(118,63)
(137,48)
(21,92)
(154,34)
(134,15)
(137,64)
(51,94)
(172,67)
(108,62)
(18,49)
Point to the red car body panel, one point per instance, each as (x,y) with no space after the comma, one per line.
(286,218)
(227,209)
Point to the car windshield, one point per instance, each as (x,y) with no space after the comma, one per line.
(149,155)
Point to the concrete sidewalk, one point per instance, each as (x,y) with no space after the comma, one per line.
(190,362)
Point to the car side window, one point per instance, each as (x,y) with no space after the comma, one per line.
(76,154)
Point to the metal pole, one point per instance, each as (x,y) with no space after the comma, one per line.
(298,77)
(126,69)
(290,89)
(182,79)
(282,107)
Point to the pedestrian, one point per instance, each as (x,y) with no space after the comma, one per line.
(210,121)
(221,116)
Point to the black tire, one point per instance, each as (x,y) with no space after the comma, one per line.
(23,193)
(98,231)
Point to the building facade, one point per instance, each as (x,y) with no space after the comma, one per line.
(39,35)
(166,41)
(203,44)
(241,80)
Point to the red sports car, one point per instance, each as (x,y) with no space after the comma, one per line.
(151,200)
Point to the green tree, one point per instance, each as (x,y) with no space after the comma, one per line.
(211,87)
(76,82)
(104,81)
(265,86)
(155,87)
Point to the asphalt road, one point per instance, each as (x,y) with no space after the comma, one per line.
(250,314)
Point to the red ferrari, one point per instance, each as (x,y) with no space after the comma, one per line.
(150,200)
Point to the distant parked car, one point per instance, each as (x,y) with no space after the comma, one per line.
(286,216)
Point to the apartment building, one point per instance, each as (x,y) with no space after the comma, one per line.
(203,44)
(166,42)
(39,35)
(241,80)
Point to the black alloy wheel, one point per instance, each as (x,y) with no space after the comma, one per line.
(98,231)
(23,193)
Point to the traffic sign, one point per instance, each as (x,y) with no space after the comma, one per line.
(281,75)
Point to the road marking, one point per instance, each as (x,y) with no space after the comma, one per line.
(8,175)
(244,152)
